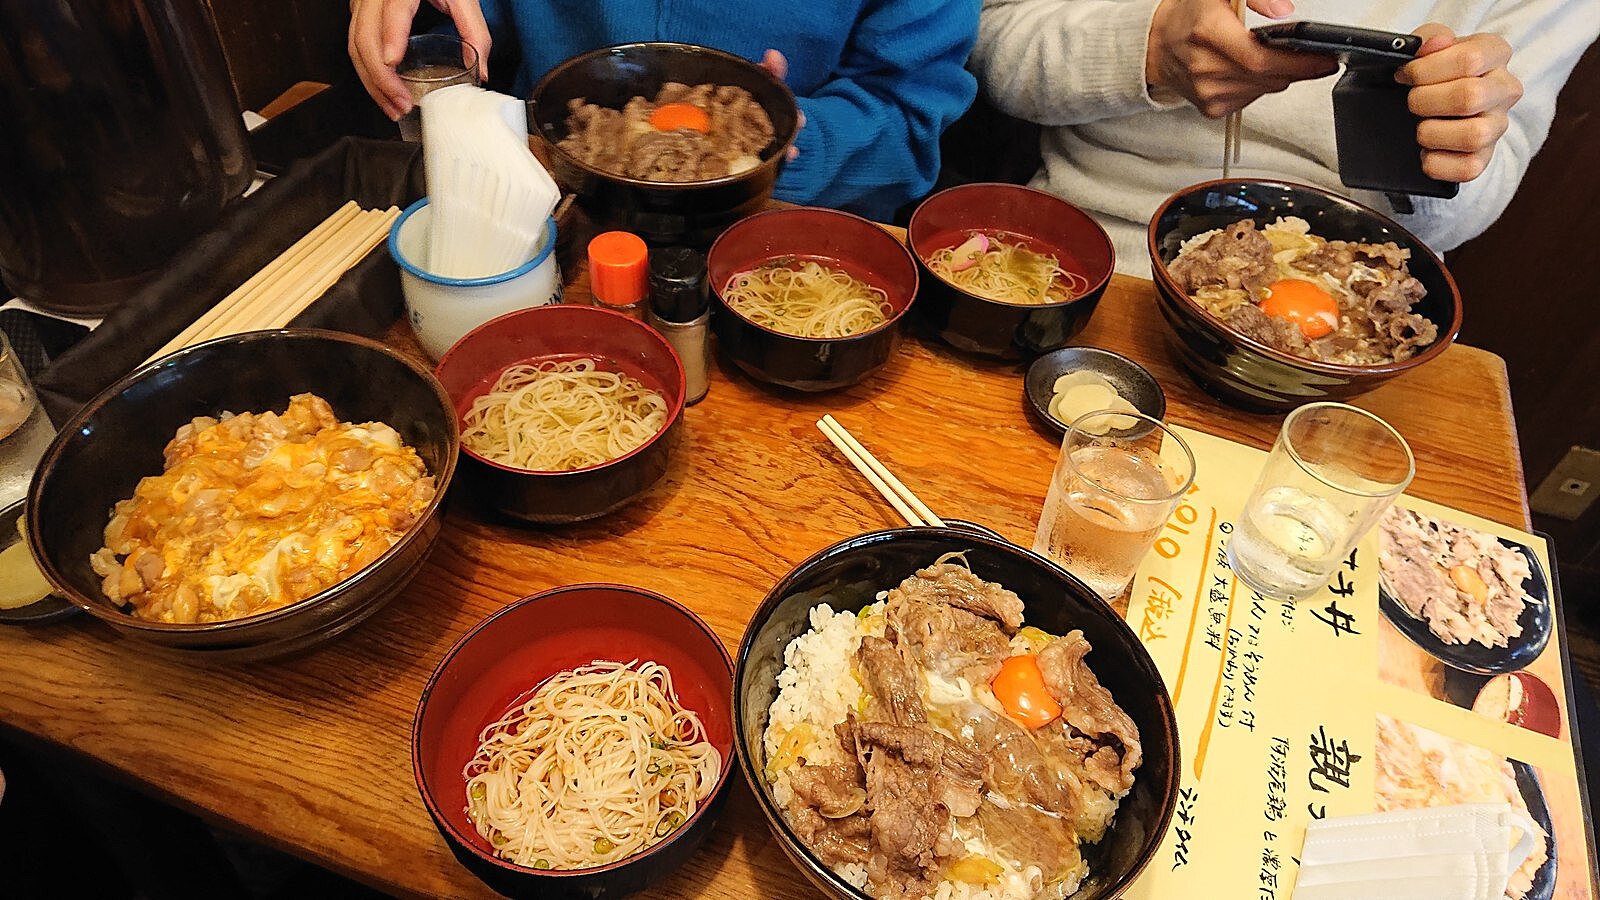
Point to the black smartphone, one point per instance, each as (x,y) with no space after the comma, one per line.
(1375,130)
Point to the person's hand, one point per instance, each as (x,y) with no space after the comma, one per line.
(1462,92)
(778,65)
(1200,50)
(378,33)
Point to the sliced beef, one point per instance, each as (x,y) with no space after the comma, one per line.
(1086,705)
(835,791)
(836,842)
(1032,838)
(949,584)
(1238,256)
(1280,334)
(907,826)
(946,640)
(681,155)
(1017,769)
(954,773)
(892,684)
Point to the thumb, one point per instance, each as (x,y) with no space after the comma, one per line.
(1273,9)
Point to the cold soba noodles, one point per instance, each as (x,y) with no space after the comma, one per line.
(807,299)
(599,763)
(1006,271)
(555,416)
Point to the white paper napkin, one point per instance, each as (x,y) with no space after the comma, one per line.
(1464,852)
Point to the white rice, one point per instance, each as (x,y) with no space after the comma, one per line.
(817,688)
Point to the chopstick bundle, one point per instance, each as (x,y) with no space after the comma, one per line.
(913,510)
(489,196)
(285,287)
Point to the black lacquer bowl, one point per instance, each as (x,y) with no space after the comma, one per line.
(848,576)
(117,438)
(1243,371)
(692,212)
(1044,223)
(835,239)
(556,332)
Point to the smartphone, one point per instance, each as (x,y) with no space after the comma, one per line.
(1375,131)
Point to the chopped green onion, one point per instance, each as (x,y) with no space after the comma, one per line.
(478,791)
(541,863)
(603,845)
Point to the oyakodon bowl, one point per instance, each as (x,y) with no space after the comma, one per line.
(848,576)
(118,437)
(557,332)
(1046,224)
(835,239)
(690,212)
(1243,371)
(523,645)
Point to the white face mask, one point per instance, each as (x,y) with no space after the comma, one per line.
(1465,852)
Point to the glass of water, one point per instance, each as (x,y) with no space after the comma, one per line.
(1332,472)
(433,61)
(1118,478)
(25,430)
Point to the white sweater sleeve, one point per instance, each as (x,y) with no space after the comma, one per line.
(1546,37)
(1065,62)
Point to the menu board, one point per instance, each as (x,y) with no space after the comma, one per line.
(1374,693)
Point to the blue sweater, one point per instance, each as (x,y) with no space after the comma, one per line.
(877,80)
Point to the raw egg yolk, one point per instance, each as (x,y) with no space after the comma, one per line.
(673,116)
(1303,303)
(1019,686)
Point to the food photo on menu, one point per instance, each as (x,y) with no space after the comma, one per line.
(862,450)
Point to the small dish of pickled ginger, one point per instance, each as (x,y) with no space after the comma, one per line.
(1064,384)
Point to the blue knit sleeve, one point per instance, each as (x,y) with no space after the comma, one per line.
(871,140)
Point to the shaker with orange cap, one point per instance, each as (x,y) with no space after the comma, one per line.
(619,272)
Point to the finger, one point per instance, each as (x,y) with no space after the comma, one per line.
(776,63)
(1464,97)
(1462,135)
(1448,165)
(792,154)
(468,18)
(378,33)
(1469,57)
(1273,9)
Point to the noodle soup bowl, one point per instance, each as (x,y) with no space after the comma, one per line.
(505,657)
(850,574)
(661,212)
(1043,223)
(556,332)
(1243,371)
(837,240)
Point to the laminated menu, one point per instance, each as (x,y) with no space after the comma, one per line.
(1429,672)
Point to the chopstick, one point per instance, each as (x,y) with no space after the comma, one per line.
(1231,142)
(913,510)
(296,278)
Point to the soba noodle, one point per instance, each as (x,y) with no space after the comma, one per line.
(597,764)
(807,299)
(557,416)
(1009,272)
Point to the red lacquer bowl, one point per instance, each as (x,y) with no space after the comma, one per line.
(523,645)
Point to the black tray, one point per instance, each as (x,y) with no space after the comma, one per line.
(249,235)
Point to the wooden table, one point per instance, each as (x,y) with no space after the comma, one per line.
(311,754)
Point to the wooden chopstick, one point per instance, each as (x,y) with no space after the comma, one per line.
(285,287)
(912,509)
(1231,130)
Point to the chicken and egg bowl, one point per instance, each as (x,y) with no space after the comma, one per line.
(255,511)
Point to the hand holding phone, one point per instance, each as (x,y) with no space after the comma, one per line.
(1374,128)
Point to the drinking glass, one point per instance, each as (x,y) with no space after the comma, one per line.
(25,430)
(433,61)
(1117,479)
(1332,472)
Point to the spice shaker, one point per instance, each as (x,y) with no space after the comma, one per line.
(618,272)
(680,309)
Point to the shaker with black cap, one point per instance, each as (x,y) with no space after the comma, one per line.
(680,308)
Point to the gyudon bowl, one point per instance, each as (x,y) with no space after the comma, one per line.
(849,576)
(662,212)
(118,438)
(1238,364)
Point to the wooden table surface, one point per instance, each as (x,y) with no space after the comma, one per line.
(311,754)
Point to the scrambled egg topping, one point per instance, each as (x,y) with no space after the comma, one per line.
(256,511)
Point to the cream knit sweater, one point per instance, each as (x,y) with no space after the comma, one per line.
(1077,67)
